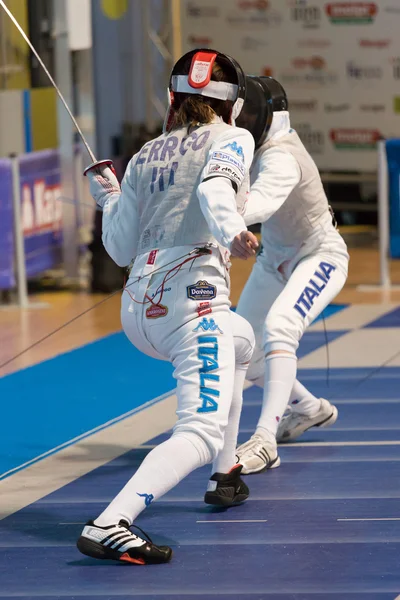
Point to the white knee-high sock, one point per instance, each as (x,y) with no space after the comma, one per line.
(302,401)
(280,375)
(162,469)
(226,459)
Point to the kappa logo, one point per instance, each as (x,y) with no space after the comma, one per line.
(235,148)
(155,311)
(208,355)
(202,290)
(148,498)
(312,289)
(207,325)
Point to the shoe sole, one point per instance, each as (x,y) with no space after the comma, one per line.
(331,420)
(273,465)
(95,550)
(209,498)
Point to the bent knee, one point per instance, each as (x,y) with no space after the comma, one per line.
(280,334)
(208,440)
(244,341)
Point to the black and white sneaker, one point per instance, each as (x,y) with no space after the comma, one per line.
(294,424)
(257,455)
(117,542)
(227,489)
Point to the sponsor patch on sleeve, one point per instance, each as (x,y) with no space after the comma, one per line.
(225,157)
(225,171)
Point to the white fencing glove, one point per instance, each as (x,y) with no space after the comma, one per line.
(103,181)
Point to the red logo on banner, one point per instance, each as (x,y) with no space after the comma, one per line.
(351,12)
(314,62)
(379,44)
(267,72)
(355,138)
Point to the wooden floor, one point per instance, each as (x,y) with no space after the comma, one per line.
(20,329)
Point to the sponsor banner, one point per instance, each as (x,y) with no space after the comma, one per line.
(7,279)
(338,60)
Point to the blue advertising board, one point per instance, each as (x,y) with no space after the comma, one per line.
(7,279)
(393,160)
(41,214)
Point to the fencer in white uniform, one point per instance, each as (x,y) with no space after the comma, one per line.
(178,216)
(302,266)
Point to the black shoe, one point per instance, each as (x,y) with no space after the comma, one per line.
(117,542)
(227,489)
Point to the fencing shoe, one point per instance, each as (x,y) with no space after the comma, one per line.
(257,454)
(295,424)
(227,489)
(117,542)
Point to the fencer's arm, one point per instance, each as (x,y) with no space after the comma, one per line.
(278,174)
(121,222)
(222,176)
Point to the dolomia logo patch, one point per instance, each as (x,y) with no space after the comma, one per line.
(155,311)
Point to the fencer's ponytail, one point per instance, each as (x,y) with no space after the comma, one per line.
(191,109)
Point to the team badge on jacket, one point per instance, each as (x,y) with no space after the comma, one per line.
(155,311)
(202,290)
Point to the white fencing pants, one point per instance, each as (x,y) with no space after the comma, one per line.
(280,308)
(210,347)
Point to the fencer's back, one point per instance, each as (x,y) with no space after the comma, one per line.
(166,175)
(305,214)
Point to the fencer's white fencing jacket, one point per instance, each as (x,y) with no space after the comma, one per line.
(182,189)
(287,196)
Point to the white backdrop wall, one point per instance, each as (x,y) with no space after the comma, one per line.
(338,61)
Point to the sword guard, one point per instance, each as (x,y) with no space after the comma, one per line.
(100,164)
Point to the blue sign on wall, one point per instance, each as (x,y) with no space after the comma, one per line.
(41,214)
(393,159)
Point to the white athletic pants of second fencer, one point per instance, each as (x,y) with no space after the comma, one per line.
(281,306)
(210,347)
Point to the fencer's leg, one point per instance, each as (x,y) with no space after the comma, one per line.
(258,295)
(303,401)
(311,287)
(225,487)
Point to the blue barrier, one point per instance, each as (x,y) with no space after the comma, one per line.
(41,214)
(393,162)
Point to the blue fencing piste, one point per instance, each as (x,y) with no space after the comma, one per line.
(41,213)
(393,159)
